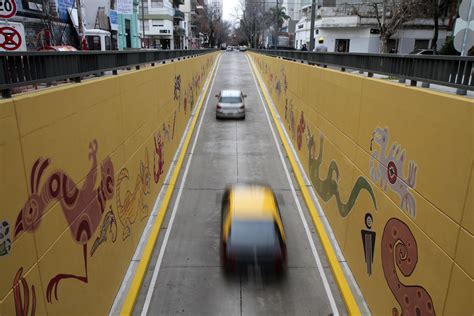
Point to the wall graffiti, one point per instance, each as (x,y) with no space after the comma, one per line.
(388,170)
(5,240)
(399,250)
(133,201)
(22,300)
(82,207)
(327,188)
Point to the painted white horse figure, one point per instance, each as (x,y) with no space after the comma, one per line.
(388,170)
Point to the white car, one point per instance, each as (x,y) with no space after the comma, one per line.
(230,104)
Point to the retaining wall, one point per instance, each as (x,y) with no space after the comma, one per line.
(81,166)
(393,168)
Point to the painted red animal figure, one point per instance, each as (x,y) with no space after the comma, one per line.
(22,298)
(82,207)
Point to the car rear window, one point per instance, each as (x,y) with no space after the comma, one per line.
(253,233)
(230,100)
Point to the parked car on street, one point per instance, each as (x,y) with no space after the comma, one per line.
(252,231)
(230,104)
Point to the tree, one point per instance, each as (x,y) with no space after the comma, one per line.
(253,21)
(209,22)
(439,9)
(390,17)
(279,16)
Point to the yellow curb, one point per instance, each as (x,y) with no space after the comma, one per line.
(127,307)
(348,297)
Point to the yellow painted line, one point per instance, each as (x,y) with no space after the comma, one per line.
(134,290)
(346,293)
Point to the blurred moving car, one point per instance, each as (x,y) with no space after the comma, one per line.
(243,48)
(229,48)
(230,104)
(252,230)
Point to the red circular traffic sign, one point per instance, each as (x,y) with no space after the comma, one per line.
(10,39)
(7,8)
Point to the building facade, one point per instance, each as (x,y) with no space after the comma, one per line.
(105,15)
(156,24)
(351,28)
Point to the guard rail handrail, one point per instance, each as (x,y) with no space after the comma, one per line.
(27,68)
(452,71)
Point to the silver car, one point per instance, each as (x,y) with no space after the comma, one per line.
(230,104)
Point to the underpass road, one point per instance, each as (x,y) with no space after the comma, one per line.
(190,280)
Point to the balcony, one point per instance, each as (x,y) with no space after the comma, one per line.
(178,14)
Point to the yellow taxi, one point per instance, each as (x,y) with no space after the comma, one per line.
(251,229)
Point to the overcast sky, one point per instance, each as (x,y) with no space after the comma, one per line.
(229,9)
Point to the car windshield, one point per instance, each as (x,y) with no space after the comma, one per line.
(230,100)
(253,233)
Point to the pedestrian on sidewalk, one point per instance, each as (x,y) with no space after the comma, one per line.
(321,48)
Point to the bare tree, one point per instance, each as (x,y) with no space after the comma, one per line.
(209,22)
(254,20)
(390,17)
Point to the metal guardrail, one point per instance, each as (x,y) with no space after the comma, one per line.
(26,68)
(452,71)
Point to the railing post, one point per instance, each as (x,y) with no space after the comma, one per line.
(6,93)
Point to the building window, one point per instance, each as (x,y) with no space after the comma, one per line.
(35,5)
(421,44)
(342,45)
(93,42)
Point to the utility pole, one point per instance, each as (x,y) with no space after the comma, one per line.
(143,24)
(313,18)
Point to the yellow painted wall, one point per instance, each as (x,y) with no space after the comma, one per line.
(80,169)
(403,155)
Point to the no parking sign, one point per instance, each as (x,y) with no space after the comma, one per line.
(12,37)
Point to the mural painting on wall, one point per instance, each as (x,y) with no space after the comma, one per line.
(174,125)
(387,169)
(159,157)
(399,250)
(109,225)
(290,117)
(368,242)
(300,131)
(133,203)
(328,187)
(5,240)
(177,90)
(22,302)
(82,207)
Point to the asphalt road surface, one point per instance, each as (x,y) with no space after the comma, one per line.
(189,276)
